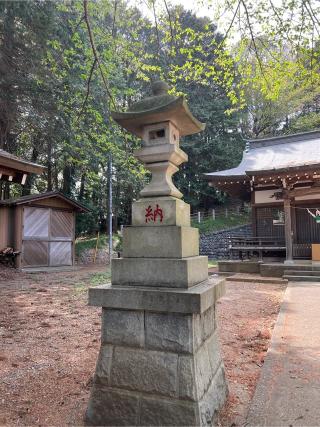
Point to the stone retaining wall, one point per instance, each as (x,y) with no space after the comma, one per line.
(87,256)
(215,244)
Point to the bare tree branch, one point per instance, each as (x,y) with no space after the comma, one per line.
(254,41)
(170,22)
(88,89)
(313,17)
(313,13)
(156,25)
(230,25)
(113,34)
(78,25)
(95,53)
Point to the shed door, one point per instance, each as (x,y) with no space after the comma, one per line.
(47,237)
(61,228)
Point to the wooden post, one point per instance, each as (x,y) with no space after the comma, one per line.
(288,229)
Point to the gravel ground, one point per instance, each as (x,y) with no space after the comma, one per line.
(50,340)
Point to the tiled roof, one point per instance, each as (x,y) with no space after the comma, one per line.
(275,154)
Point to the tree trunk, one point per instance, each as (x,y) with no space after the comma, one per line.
(49,166)
(82,186)
(67,179)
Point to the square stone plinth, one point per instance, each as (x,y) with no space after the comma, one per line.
(158,365)
(160,242)
(147,212)
(197,299)
(159,272)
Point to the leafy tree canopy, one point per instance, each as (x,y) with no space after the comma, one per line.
(65,65)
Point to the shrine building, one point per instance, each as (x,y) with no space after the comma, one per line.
(280,176)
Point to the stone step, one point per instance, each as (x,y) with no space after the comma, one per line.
(302,278)
(303,267)
(256,279)
(301,273)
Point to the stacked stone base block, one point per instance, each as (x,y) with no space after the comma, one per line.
(160,272)
(160,242)
(157,368)
(176,212)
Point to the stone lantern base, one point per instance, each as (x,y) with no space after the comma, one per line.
(159,362)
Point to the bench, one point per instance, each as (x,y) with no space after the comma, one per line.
(8,256)
(248,246)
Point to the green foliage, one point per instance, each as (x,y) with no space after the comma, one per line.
(57,93)
(221,223)
(83,244)
(97,279)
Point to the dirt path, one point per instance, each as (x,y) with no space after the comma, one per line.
(50,339)
(246,317)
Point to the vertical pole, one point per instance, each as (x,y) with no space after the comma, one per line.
(199,217)
(213,214)
(110,207)
(96,250)
(288,230)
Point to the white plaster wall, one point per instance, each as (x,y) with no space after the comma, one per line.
(264,196)
(309,197)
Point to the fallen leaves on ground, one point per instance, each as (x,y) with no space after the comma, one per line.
(50,341)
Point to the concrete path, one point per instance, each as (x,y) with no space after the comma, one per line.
(288,391)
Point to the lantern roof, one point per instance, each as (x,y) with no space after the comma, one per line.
(160,107)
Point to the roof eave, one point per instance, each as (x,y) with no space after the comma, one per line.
(176,111)
(281,139)
(285,169)
(16,202)
(21,165)
(225,177)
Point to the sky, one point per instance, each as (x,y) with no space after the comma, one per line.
(199,7)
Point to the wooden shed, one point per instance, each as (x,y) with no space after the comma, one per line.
(41,227)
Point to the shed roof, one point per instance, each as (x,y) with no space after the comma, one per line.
(49,194)
(274,155)
(20,165)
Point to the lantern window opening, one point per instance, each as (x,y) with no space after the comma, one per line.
(155,134)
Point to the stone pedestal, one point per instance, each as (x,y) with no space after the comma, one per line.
(159,362)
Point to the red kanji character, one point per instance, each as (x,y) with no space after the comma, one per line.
(158,211)
(149,214)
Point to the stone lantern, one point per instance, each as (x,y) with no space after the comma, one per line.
(159,362)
